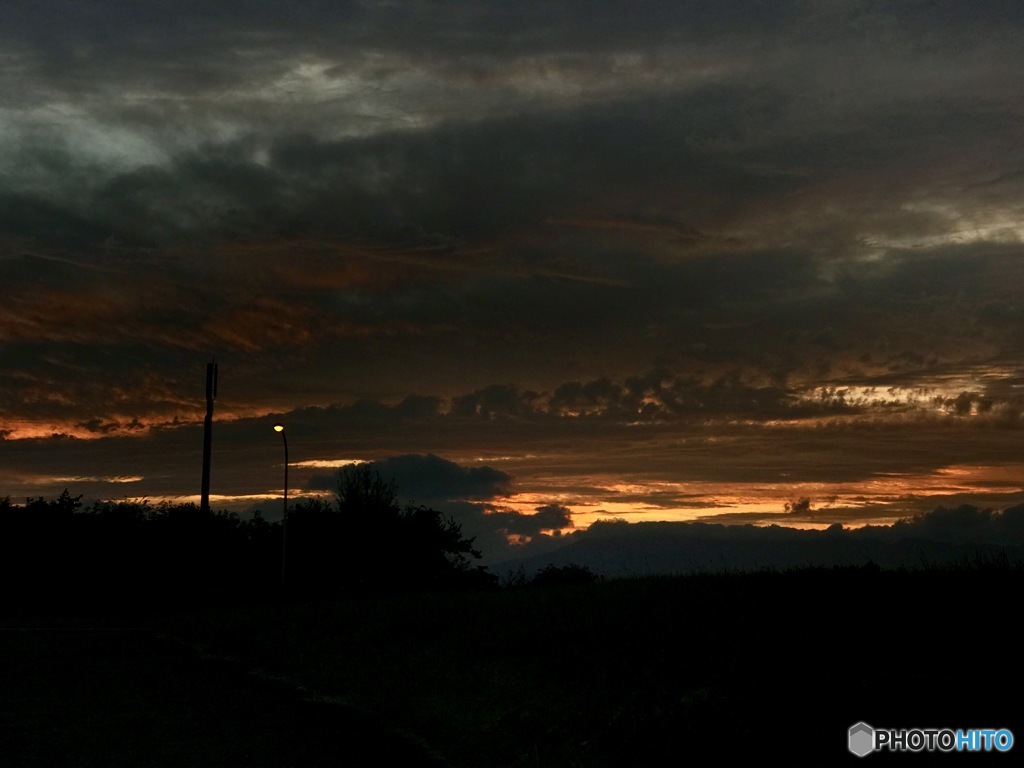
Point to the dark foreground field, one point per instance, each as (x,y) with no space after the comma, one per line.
(637,672)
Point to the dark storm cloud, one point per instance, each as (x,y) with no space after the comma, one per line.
(26,219)
(445,184)
(153,32)
(493,28)
(502,533)
(547,517)
(226,53)
(662,395)
(382,189)
(693,154)
(426,478)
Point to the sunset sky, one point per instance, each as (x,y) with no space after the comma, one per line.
(647,260)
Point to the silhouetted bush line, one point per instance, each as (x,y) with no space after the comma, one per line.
(551,575)
(134,553)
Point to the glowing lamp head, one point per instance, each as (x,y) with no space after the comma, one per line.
(279,427)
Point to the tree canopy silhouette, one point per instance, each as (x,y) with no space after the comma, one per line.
(368,540)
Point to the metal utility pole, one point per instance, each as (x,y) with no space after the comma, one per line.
(211,395)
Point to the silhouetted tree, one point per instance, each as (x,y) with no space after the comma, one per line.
(363,493)
(430,547)
(386,545)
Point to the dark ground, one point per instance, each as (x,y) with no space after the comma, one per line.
(771,667)
(112,697)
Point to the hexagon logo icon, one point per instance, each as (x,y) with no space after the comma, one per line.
(861,739)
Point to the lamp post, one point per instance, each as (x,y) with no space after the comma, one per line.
(284,517)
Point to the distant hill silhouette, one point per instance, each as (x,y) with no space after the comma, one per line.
(967,536)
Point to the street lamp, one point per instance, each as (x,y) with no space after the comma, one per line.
(284,517)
